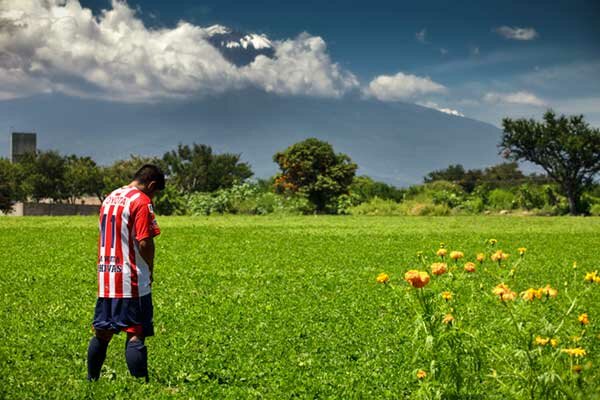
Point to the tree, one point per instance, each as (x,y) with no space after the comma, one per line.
(312,168)
(10,189)
(197,169)
(44,175)
(453,173)
(366,188)
(82,177)
(121,172)
(567,148)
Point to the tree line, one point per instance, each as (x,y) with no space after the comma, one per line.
(566,148)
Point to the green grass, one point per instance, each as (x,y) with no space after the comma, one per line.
(266,307)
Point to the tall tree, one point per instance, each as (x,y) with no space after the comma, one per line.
(567,148)
(10,188)
(82,177)
(121,172)
(198,169)
(311,167)
(44,175)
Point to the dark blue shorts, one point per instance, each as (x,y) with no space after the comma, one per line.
(134,315)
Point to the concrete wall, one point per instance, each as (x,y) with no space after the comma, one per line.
(39,209)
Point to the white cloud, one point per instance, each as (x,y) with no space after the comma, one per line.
(435,106)
(59,46)
(402,87)
(422,35)
(516,33)
(521,97)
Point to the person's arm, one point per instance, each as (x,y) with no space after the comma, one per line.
(147,252)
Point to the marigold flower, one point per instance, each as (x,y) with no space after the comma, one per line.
(531,294)
(447,296)
(492,242)
(522,251)
(548,291)
(583,318)
(469,267)
(504,292)
(417,279)
(591,276)
(575,352)
(456,255)
(540,341)
(383,278)
(421,374)
(448,319)
(441,252)
(439,268)
(499,256)
(480,257)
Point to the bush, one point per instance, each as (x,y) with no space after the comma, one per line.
(595,210)
(500,199)
(377,206)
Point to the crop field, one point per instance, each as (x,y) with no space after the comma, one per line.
(315,307)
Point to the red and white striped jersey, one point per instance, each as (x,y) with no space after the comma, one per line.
(126,218)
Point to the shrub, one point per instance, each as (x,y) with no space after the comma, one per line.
(377,206)
(500,199)
(595,210)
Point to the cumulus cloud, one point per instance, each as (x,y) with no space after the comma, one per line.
(521,97)
(59,46)
(516,33)
(435,106)
(402,87)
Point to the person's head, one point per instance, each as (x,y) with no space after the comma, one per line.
(149,179)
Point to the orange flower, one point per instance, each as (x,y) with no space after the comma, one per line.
(499,256)
(504,292)
(421,374)
(583,318)
(480,257)
(439,268)
(441,252)
(470,267)
(531,294)
(548,291)
(447,296)
(417,279)
(448,319)
(456,255)
(383,278)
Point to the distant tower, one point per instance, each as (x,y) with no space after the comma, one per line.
(22,143)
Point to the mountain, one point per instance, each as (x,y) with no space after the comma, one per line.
(398,143)
(239,48)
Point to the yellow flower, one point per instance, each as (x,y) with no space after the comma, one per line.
(421,374)
(470,267)
(583,318)
(553,342)
(480,257)
(504,292)
(383,278)
(448,319)
(576,352)
(417,279)
(439,268)
(548,291)
(574,264)
(591,276)
(522,251)
(531,294)
(540,341)
(597,279)
(441,252)
(492,242)
(455,255)
(447,296)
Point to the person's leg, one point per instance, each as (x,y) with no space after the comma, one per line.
(136,355)
(97,352)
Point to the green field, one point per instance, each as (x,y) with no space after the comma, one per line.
(267,307)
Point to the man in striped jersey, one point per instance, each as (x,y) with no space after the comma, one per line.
(125,267)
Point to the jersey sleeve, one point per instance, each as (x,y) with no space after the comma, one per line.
(145,221)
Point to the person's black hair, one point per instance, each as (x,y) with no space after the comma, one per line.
(149,173)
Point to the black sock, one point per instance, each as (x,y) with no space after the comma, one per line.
(96,355)
(136,355)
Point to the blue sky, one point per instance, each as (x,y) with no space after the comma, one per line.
(473,59)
